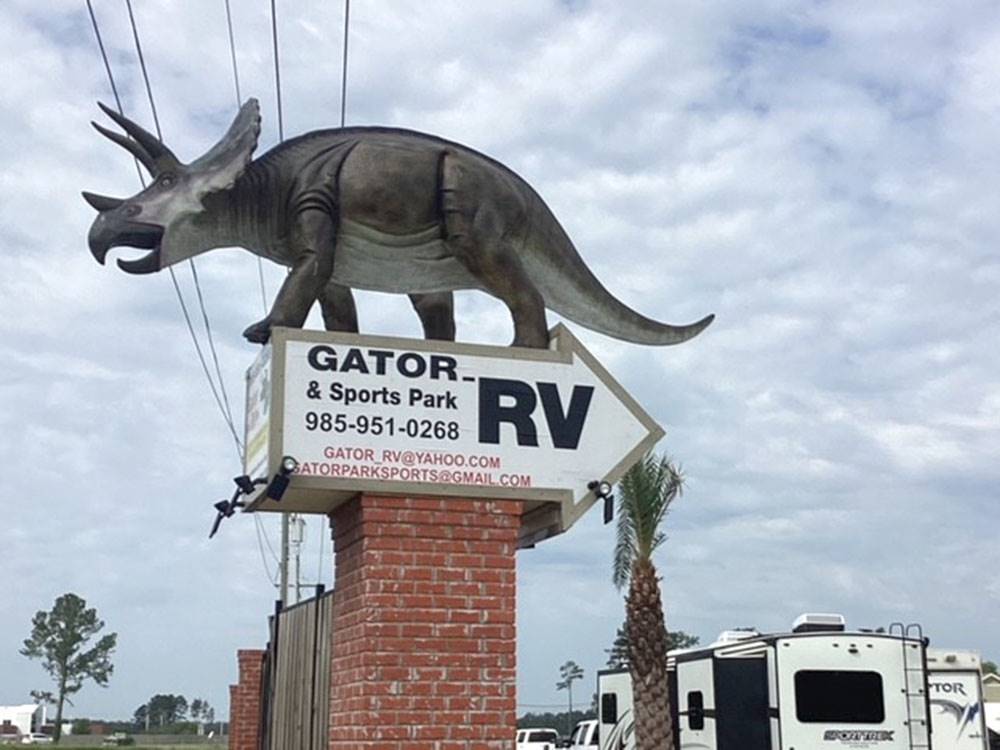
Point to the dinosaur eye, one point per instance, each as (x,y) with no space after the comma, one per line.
(133,210)
(167,181)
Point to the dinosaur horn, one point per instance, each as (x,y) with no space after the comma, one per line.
(131,146)
(102,202)
(162,156)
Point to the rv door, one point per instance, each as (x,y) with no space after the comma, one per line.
(957,710)
(696,719)
(614,708)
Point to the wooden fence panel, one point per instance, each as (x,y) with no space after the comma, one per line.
(297,677)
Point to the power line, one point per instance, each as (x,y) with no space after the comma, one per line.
(223,403)
(343,67)
(260,548)
(215,356)
(111,79)
(232,53)
(277,70)
(261,532)
(142,181)
(239,102)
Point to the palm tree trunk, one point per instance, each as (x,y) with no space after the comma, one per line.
(648,660)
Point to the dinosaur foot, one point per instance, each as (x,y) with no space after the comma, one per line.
(259,332)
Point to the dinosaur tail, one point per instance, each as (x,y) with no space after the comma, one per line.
(568,287)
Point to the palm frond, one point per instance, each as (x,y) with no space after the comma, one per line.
(645,494)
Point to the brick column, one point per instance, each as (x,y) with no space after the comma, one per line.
(244,701)
(423,654)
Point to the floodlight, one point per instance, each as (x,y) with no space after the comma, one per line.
(279,483)
(246,484)
(224,509)
(602,490)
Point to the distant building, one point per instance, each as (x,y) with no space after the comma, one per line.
(27,718)
(991,700)
(991,687)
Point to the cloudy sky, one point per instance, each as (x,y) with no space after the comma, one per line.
(820,175)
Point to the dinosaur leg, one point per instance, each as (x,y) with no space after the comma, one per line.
(483,234)
(313,234)
(437,314)
(339,311)
(498,268)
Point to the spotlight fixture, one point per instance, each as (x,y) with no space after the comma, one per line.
(603,490)
(226,508)
(246,484)
(279,483)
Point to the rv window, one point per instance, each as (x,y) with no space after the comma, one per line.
(609,708)
(839,696)
(696,711)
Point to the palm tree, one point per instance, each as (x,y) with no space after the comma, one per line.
(569,671)
(645,493)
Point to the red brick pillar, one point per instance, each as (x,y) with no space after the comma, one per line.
(423,654)
(244,701)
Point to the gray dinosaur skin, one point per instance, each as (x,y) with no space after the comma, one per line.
(366,207)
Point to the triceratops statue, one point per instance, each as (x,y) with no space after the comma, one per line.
(369,207)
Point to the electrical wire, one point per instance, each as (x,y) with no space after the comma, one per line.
(227,415)
(111,79)
(343,68)
(223,402)
(267,541)
(232,54)
(239,103)
(277,70)
(261,532)
(142,181)
(215,356)
(260,547)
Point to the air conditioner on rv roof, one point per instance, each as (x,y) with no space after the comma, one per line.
(735,636)
(814,622)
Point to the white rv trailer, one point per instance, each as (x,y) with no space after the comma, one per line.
(814,688)
(955,689)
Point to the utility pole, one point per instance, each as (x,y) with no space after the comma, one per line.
(283,588)
(298,537)
(292,536)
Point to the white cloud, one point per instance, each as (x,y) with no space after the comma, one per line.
(821,176)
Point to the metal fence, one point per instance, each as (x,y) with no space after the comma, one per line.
(295,706)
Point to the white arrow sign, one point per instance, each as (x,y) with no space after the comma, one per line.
(402,416)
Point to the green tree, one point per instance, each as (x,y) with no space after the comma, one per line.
(618,653)
(990,667)
(201,713)
(645,494)
(141,717)
(166,709)
(569,672)
(60,638)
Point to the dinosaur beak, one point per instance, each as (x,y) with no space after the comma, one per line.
(108,232)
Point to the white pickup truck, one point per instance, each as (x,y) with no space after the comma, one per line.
(537,739)
(584,734)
